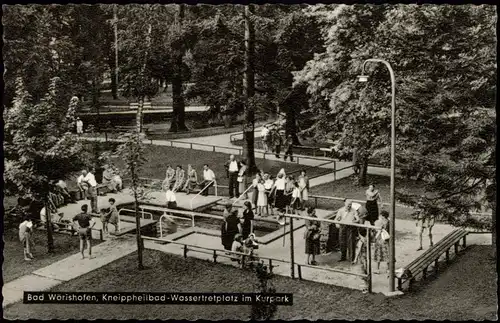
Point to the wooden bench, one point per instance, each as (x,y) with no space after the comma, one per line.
(422,263)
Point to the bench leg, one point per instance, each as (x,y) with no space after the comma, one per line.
(424,273)
(447,256)
(456,248)
(436,265)
(465,242)
(215,256)
(400,284)
(410,283)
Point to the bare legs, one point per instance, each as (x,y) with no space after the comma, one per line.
(420,233)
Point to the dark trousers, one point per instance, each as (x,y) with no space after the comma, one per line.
(202,186)
(289,152)
(92,194)
(233,185)
(277,150)
(347,242)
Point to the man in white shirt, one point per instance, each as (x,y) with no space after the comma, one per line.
(232,167)
(171,199)
(208,177)
(347,237)
(89,181)
(361,210)
(263,135)
(79,126)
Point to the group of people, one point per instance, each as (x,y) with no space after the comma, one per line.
(178,179)
(272,141)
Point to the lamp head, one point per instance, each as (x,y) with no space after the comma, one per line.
(363,78)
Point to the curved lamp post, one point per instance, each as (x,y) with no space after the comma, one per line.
(364,78)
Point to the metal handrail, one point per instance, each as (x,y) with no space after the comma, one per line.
(206,187)
(164,215)
(366,226)
(131,211)
(239,197)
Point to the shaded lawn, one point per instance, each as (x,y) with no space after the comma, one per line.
(346,188)
(459,293)
(15,266)
(158,157)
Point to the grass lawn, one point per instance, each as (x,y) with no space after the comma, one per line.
(160,156)
(15,266)
(345,187)
(458,294)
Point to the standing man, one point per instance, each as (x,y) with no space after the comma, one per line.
(84,221)
(277,142)
(79,126)
(91,183)
(208,177)
(263,135)
(347,236)
(232,168)
(288,147)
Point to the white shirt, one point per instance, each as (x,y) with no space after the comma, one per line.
(356,206)
(79,179)
(296,193)
(233,166)
(268,184)
(27,224)
(280,184)
(90,178)
(61,184)
(264,132)
(170,196)
(208,175)
(79,123)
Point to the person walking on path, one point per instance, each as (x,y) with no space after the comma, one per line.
(424,221)
(288,148)
(312,237)
(347,234)
(85,225)
(230,227)
(242,179)
(372,199)
(26,237)
(232,169)
(208,178)
(79,126)
(381,253)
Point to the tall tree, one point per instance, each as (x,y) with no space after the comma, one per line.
(445,73)
(39,146)
(249,88)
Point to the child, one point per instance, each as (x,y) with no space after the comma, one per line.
(25,229)
(105,215)
(113,214)
(237,247)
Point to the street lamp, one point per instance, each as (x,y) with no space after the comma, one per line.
(364,78)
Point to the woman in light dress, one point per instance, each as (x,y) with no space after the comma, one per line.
(255,191)
(261,199)
(242,179)
(192,179)
(381,253)
(180,178)
(304,188)
(169,178)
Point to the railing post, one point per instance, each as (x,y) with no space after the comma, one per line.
(192,220)
(191,146)
(299,267)
(292,256)
(270,266)
(465,242)
(447,255)
(185,251)
(315,202)
(101,235)
(215,256)
(214,149)
(369,261)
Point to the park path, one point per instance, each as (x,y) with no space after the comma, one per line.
(69,268)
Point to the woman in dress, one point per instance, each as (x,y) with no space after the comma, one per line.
(242,179)
(247,220)
(304,188)
(269,186)
(289,187)
(255,192)
(279,189)
(312,236)
(372,198)
(192,179)
(296,201)
(230,227)
(169,178)
(261,199)
(180,178)
(381,253)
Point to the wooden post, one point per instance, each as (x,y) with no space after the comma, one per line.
(215,255)
(465,242)
(436,265)
(299,267)
(368,261)
(271,266)
(185,251)
(292,257)
(101,235)
(424,273)
(448,255)
(456,248)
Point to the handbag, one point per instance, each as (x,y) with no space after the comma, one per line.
(385,235)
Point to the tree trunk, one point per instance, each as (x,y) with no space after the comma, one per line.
(249,90)
(114,77)
(363,172)
(140,265)
(493,205)
(138,118)
(50,238)
(178,106)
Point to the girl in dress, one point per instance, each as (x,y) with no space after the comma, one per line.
(372,199)
(242,179)
(247,220)
(304,188)
(381,253)
(255,192)
(169,178)
(180,177)
(296,202)
(192,179)
(279,189)
(269,186)
(261,199)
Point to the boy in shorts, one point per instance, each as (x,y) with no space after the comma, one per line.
(85,225)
